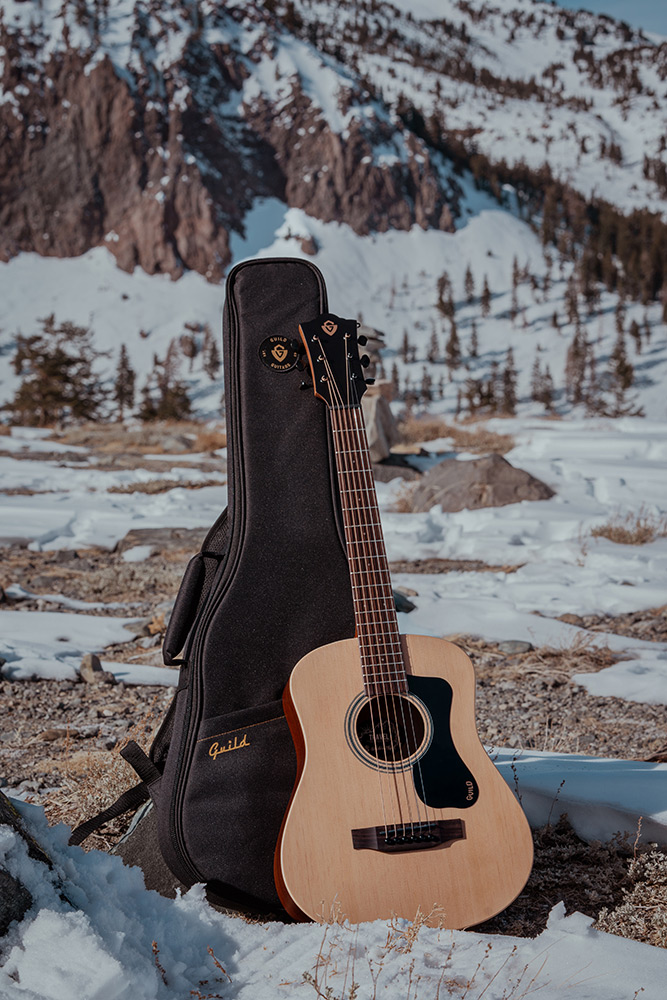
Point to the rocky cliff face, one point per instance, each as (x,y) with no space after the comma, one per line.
(151,128)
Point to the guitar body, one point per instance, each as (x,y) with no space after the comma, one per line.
(377,828)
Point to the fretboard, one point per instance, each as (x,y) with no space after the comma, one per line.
(374,610)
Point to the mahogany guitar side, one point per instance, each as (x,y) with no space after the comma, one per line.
(323,873)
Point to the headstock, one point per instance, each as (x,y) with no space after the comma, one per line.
(332,349)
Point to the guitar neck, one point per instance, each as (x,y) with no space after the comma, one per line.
(374,610)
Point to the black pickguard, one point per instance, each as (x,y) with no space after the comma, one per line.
(441,778)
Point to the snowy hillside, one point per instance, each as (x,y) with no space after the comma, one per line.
(414,152)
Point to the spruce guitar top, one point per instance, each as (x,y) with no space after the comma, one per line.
(397,807)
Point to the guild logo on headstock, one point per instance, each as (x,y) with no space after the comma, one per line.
(330,327)
(278,353)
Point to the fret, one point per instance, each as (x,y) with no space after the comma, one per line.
(376,619)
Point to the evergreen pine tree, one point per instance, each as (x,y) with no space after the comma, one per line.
(536,378)
(621,376)
(453,349)
(547,390)
(433,353)
(575,367)
(395,381)
(426,389)
(405,347)
(123,391)
(619,316)
(58,383)
(486,298)
(594,402)
(474,342)
(189,347)
(211,354)
(469,285)
(444,292)
(509,379)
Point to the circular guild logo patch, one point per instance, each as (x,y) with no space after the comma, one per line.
(278,353)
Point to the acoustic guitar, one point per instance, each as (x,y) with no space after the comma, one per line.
(397,807)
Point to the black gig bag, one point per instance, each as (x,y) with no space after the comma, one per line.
(270,584)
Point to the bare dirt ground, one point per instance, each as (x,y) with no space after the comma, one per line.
(59,740)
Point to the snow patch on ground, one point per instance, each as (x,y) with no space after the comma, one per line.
(92,928)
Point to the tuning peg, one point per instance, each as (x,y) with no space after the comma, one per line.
(370,381)
(362,340)
(306,385)
(364,360)
(299,366)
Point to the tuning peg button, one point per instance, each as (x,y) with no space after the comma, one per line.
(364,361)
(362,340)
(370,381)
(305,385)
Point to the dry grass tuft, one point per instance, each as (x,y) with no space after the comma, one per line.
(642,914)
(93,780)
(117,438)
(633,529)
(480,441)
(152,486)
(210,440)
(586,877)
(403,500)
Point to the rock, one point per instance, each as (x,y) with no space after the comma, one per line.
(136,186)
(403,603)
(15,899)
(176,444)
(380,425)
(515,646)
(141,626)
(163,539)
(571,619)
(50,735)
(105,677)
(482,482)
(384,472)
(92,673)
(90,665)
(66,555)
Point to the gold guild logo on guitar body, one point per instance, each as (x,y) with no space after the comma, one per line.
(278,353)
(330,327)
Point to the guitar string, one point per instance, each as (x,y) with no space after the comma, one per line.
(364,646)
(375,562)
(347,521)
(373,638)
(343,465)
(360,430)
(372,633)
(361,452)
(371,489)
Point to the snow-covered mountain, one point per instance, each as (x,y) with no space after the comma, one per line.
(399,145)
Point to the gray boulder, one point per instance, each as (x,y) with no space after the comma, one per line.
(481,482)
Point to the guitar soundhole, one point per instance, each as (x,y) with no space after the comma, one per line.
(390,728)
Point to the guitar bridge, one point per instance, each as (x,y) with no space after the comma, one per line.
(408,836)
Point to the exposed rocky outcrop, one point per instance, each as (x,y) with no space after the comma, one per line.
(138,133)
(482,482)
